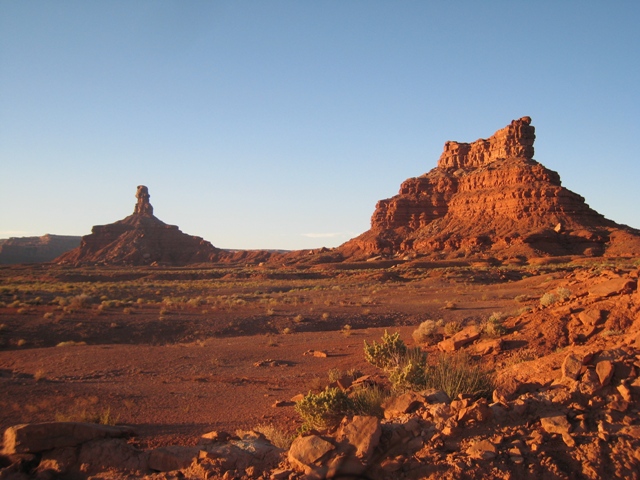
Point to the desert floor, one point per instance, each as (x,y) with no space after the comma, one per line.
(178,352)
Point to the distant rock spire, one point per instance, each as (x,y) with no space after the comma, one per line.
(143,207)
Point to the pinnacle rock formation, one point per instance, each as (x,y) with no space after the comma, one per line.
(140,239)
(490,198)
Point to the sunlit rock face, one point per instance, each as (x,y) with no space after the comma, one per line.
(490,198)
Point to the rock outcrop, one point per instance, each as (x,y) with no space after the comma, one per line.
(35,249)
(490,198)
(140,239)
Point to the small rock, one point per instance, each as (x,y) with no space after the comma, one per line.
(616,286)
(605,370)
(555,424)
(173,457)
(363,432)
(306,451)
(405,403)
(591,317)
(214,437)
(280,474)
(482,450)
(625,392)
(460,339)
(568,440)
(572,366)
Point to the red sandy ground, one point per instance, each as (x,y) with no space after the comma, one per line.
(177,374)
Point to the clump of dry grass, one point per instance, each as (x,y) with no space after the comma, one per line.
(275,435)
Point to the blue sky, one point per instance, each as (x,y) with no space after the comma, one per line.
(279,124)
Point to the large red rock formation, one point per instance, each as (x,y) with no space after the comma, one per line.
(140,239)
(490,197)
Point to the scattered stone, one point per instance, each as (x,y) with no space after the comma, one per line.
(214,437)
(306,451)
(605,370)
(625,392)
(572,366)
(615,286)
(460,339)
(316,353)
(173,457)
(271,363)
(482,450)
(405,403)
(591,317)
(363,432)
(555,424)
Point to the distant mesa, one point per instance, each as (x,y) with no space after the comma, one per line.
(141,239)
(489,198)
(35,249)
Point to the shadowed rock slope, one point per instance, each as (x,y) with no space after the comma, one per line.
(490,198)
(140,239)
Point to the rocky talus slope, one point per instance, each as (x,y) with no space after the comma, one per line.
(490,197)
(566,405)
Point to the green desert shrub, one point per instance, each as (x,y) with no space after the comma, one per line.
(405,366)
(494,327)
(386,355)
(324,409)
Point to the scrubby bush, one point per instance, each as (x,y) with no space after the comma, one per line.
(368,399)
(548,299)
(494,327)
(456,374)
(452,327)
(277,437)
(388,354)
(425,333)
(405,367)
(411,373)
(324,409)
(80,301)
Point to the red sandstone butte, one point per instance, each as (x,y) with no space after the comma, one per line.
(490,198)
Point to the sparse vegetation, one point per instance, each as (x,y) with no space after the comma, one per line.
(452,327)
(324,409)
(425,333)
(456,374)
(275,435)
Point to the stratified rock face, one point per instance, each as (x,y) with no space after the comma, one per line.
(36,249)
(140,239)
(490,197)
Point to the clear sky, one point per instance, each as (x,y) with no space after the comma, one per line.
(279,124)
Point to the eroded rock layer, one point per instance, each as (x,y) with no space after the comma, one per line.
(490,197)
